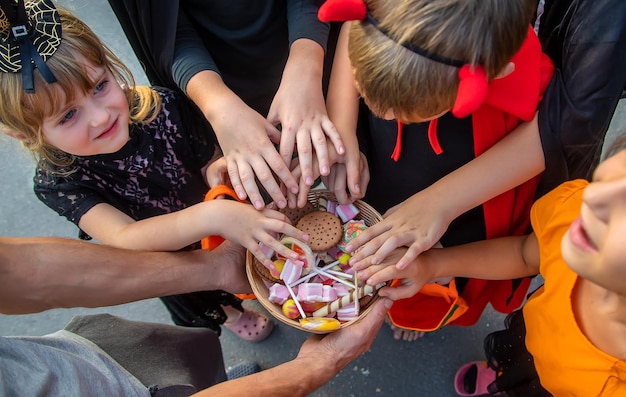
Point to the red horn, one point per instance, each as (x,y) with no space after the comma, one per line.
(342,10)
(472,92)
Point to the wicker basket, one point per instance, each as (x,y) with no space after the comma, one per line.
(257,272)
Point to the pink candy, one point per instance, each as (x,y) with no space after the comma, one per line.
(348,312)
(310,292)
(292,270)
(346,212)
(278,294)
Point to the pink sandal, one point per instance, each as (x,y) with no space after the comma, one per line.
(251,326)
(473,378)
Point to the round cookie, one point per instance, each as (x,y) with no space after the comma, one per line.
(324,230)
(294,214)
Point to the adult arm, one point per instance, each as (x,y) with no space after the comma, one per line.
(319,360)
(43,273)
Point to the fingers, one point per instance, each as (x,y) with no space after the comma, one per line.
(318,139)
(332,133)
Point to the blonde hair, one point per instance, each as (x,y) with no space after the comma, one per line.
(24,113)
(478,32)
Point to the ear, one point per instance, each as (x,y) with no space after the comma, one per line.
(14,134)
(506,70)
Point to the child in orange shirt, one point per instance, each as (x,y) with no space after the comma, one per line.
(574,326)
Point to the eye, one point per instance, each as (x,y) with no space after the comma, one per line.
(67,117)
(101,86)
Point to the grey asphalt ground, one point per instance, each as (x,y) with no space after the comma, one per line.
(391,368)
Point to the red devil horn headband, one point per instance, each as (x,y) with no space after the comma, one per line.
(472,79)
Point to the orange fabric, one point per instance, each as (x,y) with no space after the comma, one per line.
(568,364)
(510,101)
(212,242)
(444,305)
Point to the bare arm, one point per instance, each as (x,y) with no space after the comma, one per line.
(319,360)
(343,108)
(38,274)
(420,221)
(237,222)
(495,259)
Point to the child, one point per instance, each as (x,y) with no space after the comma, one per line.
(127,165)
(575,323)
(466,74)
(250,66)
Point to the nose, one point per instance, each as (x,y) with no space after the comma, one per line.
(98,114)
(604,198)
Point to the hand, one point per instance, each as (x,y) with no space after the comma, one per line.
(249,227)
(413,277)
(217,173)
(348,180)
(339,348)
(230,270)
(417,223)
(299,108)
(246,140)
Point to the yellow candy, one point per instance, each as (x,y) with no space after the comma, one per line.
(344,258)
(279,263)
(290,309)
(320,323)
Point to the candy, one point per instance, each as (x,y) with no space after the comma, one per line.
(320,324)
(349,312)
(267,251)
(290,309)
(279,264)
(351,230)
(329,293)
(302,249)
(346,300)
(310,292)
(346,212)
(344,258)
(292,270)
(278,294)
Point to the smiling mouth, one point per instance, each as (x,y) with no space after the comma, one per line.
(108,131)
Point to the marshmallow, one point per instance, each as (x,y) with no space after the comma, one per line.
(291,271)
(278,294)
(329,293)
(310,292)
(346,212)
(348,312)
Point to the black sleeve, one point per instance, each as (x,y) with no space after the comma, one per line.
(586,39)
(150,26)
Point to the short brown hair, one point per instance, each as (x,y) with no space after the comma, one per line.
(24,112)
(479,32)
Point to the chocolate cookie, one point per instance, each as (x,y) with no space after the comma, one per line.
(324,229)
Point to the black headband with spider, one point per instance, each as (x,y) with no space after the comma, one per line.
(29,35)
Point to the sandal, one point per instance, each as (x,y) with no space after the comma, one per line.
(251,326)
(473,378)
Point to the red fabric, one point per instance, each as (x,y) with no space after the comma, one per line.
(473,87)
(510,101)
(342,10)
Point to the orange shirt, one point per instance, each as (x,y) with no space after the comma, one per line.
(568,364)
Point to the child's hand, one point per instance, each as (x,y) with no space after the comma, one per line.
(249,227)
(300,109)
(217,173)
(413,277)
(349,179)
(417,223)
